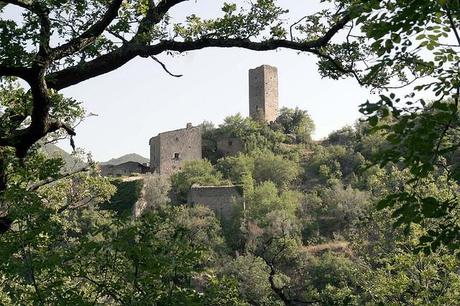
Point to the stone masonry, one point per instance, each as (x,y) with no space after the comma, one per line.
(229,146)
(225,201)
(128,168)
(170,149)
(263,93)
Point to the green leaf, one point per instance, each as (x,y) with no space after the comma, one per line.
(373,121)
(431,208)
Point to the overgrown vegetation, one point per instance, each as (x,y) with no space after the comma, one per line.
(311,234)
(124,199)
(325,224)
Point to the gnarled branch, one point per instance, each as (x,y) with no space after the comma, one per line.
(90,35)
(48,181)
(165,68)
(117,58)
(20,72)
(23,4)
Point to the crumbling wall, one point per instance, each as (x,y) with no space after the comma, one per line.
(229,146)
(225,201)
(127,168)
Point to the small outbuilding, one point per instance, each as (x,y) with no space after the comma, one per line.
(225,201)
(128,168)
(229,146)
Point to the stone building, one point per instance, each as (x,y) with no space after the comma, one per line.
(170,149)
(229,146)
(263,93)
(225,201)
(123,169)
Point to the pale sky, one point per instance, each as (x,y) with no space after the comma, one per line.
(140,100)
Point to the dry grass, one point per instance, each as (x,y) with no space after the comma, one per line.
(333,246)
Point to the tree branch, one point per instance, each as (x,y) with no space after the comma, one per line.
(154,15)
(165,5)
(45,31)
(90,35)
(19,3)
(448,125)
(20,72)
(291,28)
(117,58)
(23,139)
(165,68)
(87,70)
(339,66)
(151,18)
(136,47)
(453,25)
(56,125)
(47,181)
(28,255)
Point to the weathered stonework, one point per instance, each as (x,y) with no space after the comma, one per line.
(127,168)
(263,93)
(229,146)
(170,149)
(225,201)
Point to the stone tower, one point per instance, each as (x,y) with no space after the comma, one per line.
(169,150)
(263,93)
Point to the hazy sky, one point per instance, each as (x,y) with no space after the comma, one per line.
(140,100)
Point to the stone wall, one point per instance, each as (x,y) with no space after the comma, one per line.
(225,201)
(154,153)
(169,150)
(229,146)
(127,168)
(263,93)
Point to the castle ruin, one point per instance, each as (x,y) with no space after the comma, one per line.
(229,146)
(263,93)
(127,168)
(224,201)
(169,150)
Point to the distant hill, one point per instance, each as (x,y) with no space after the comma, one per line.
(71,163)
(126,158)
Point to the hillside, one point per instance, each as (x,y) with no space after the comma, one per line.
(71,163)
(126,158)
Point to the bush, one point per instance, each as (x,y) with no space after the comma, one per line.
(199,172)
(270,167)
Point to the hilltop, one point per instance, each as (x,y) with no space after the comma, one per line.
(71,162)
(126,158)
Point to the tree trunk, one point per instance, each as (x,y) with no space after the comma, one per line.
(5,221)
